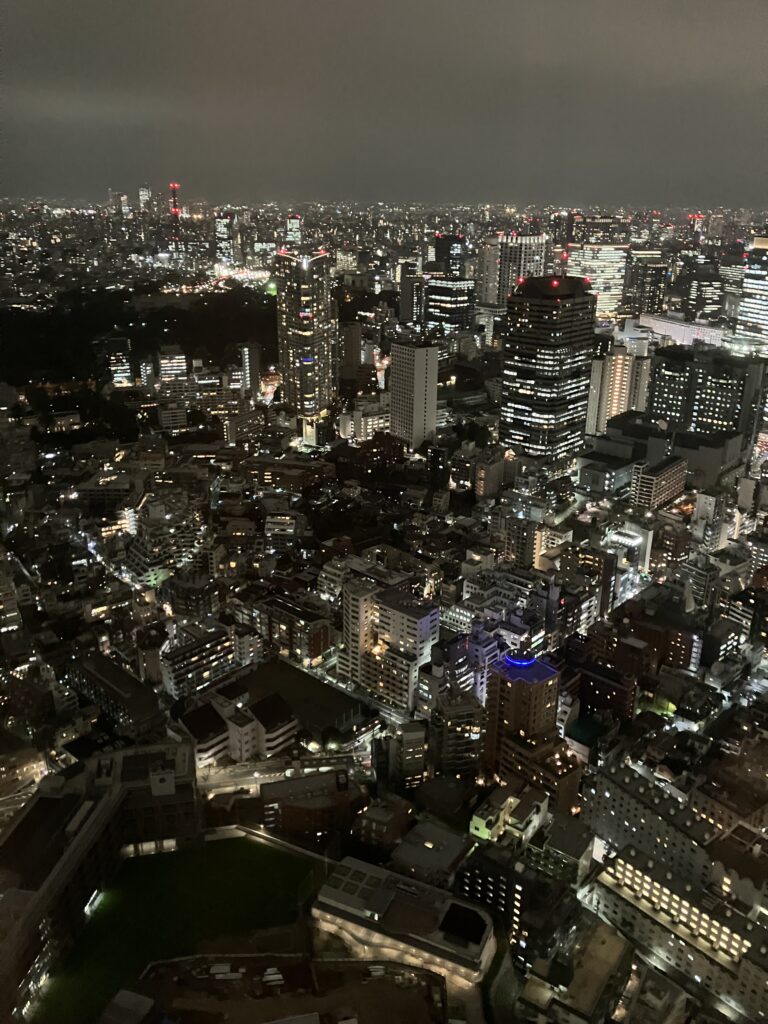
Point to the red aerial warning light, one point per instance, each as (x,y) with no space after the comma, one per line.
(588,280)
(555,282)
(520,280)
(174,184)
(175,211)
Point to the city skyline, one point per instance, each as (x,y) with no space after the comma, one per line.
(411,541)
(583,104)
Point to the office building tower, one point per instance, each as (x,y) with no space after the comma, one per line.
(618,382)
(119,360)
(703,292)
(732,278)
(598,229)
(547,354)
(174,381)
(559,227)
(225,237)
(307,330)
(145,199)
(752,320)
(293,230)
(646,282)
(449,254)
(413,390)
(604,267)
(250,357)
(119,203)
(504,260)
(411,309)
(707,390)
(449,304)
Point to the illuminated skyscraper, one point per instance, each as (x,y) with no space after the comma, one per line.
(251,366)
(547,356)
(598,228)
(703,294)
(293,230)
(618,382)
(225,227)
(604,267)
(503,260)
(449,303)
(752,321)
(707,390)
(646,282)
(307,330)
(413,389)
(449,253)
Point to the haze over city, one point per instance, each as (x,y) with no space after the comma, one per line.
(597,102)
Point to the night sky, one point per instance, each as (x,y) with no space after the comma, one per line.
(646,102)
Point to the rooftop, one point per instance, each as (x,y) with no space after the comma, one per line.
(429,919)
(553,287)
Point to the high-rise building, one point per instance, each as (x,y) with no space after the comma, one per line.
(413,389)
(307,330)
(598,229)
(703,292)
(359,619)
(225,227)
(119,360)
(618,382)
(145,199)
(707,390)
(449,303)
(604,267)
(250,356)
(407,630)
(293,230)
(522,740)
(411,310)
(503,260)
(732,278)
(457,732)
(646,282)
(174,381)
(752,321)
(449,253)
(547,353)
(387,636)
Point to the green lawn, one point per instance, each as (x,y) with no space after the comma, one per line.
(164,906)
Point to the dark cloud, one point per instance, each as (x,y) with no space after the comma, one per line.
(568,101)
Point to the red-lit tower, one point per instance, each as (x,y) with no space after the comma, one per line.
(175,226)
